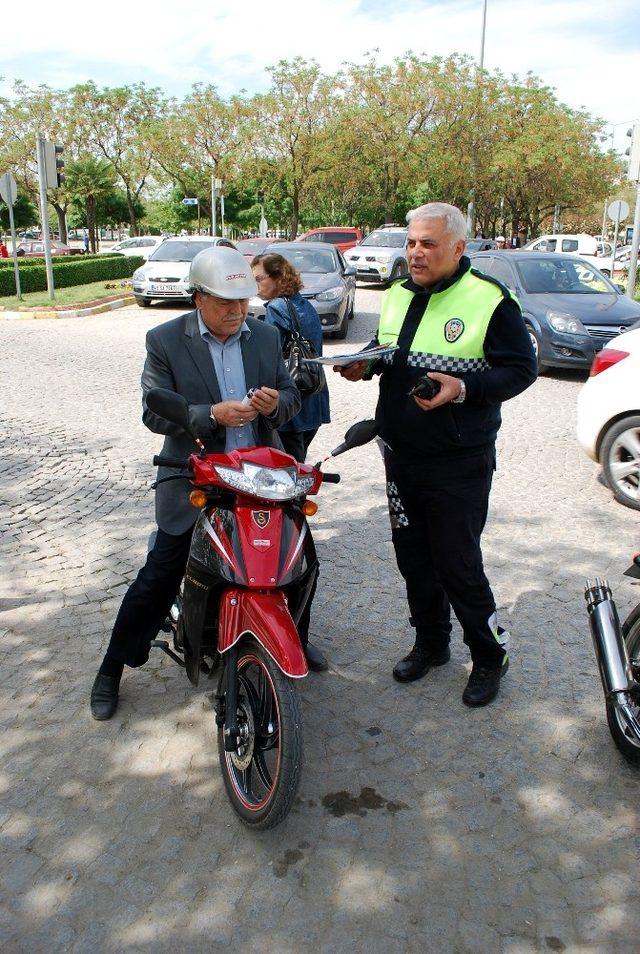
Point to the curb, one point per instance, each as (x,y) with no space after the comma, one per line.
(70,312)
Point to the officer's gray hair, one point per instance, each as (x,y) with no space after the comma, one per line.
(455,223)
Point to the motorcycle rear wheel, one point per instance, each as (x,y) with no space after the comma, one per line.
(626,741)
(263,776)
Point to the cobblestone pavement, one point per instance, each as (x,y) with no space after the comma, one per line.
(421,825)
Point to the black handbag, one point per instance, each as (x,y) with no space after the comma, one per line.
(308,378)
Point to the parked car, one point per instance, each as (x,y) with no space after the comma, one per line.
(141,245)
(342,237)
(609,416)
(571,310)
(36,249)
(255,246)
(479,245)
(166,273)
(580,244)
(329,283)
(381,256)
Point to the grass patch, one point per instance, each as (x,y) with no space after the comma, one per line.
(74,295)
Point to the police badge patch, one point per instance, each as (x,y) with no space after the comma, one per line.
(261,517)
(453,329)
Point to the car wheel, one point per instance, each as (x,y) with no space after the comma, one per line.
(398,269)
(535,341)
(352,309)
(341,330)
(605,271)
(620,458)
(143,302)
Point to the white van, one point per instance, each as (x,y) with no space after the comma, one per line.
(582,244)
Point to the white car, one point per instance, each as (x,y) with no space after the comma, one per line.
(381,256)
(142,245)
(609,416)
(166,274)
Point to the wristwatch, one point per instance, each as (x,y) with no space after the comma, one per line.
(462,395)
(212,417)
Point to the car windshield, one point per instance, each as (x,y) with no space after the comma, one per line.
(562,276)
(178,251)
(474,244)
(385,239)
(310,261)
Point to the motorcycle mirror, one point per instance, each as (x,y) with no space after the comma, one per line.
(172,407)
(360,433)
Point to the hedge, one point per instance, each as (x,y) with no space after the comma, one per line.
(39,259)
(72,271)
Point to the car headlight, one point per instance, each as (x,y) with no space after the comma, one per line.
(566,323)
(385,259)
(138,275)
(331,294)
(266,482)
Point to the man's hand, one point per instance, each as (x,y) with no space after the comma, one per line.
(449,389)
(352,372)
(233,413)
(264,400)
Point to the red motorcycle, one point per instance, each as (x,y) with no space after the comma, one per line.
(251,569)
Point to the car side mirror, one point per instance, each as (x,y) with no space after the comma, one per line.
(350,270)
(620,289)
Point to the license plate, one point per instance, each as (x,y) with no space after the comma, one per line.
(163,288)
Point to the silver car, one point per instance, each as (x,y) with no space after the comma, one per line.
(329,283)
(166,273)
(381,256)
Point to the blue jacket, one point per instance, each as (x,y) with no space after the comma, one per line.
(315,409)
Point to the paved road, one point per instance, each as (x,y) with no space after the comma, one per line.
(421,825)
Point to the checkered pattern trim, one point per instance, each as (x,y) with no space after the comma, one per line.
(445,364)
(397,516)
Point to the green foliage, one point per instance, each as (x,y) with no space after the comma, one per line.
(25,214)
(72,271)
(38,260)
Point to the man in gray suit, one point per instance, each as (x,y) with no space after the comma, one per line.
(212,356)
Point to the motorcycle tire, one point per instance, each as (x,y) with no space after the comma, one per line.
(262,779)
(626,743)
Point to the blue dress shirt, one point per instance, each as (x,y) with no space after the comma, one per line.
(229,369)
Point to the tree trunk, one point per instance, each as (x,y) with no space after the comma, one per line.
(295,215)
(91,222)
(62,221)
(132,214)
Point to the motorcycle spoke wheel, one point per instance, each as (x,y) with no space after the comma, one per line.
(626,739)
(262,775)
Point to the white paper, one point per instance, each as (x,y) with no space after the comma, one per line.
(342,360)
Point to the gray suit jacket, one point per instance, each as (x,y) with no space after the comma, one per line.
(179,359)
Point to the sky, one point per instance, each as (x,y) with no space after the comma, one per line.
(589,51)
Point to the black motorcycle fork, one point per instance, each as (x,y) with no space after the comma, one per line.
(227,699)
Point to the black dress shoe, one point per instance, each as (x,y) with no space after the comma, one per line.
(104,697)
(316,660)
(484,683)
(418,663)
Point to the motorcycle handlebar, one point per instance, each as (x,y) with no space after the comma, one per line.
(331,478)
(160,461)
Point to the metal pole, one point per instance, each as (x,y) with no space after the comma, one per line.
(484,28)
(615,238)
(604,220)
(635,242)
(16,270)
(198,216)
(222,214)
(213,204)
(44,214)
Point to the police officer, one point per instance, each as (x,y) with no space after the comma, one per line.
(463,330)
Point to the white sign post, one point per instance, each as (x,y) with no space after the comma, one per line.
(9,193)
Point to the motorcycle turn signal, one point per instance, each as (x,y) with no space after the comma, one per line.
(197,498)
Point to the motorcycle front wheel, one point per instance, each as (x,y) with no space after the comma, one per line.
(626,740)
(262,776)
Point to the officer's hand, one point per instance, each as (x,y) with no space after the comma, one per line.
(352,372)
(265,400)
(449,389)
(233,413)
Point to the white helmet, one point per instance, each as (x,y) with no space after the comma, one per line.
(223,272)
(500,238)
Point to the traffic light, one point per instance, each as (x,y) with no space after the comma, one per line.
(633,151)
(53,165)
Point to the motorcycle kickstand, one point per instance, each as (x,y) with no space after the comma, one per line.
(164,646)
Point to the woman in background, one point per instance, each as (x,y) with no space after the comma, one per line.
(279,285)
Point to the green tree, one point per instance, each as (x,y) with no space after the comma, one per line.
(89,181)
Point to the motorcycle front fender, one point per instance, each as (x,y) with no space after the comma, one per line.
(266,617)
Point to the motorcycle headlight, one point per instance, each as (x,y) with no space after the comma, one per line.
(266,482)
(331,294)
(566,323)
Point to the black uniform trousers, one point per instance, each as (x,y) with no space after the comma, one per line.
(148,600)
(438,509)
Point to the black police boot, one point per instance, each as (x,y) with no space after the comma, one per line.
(104,697)
(419,661)
(484,683)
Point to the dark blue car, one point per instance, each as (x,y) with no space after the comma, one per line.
(571,310)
